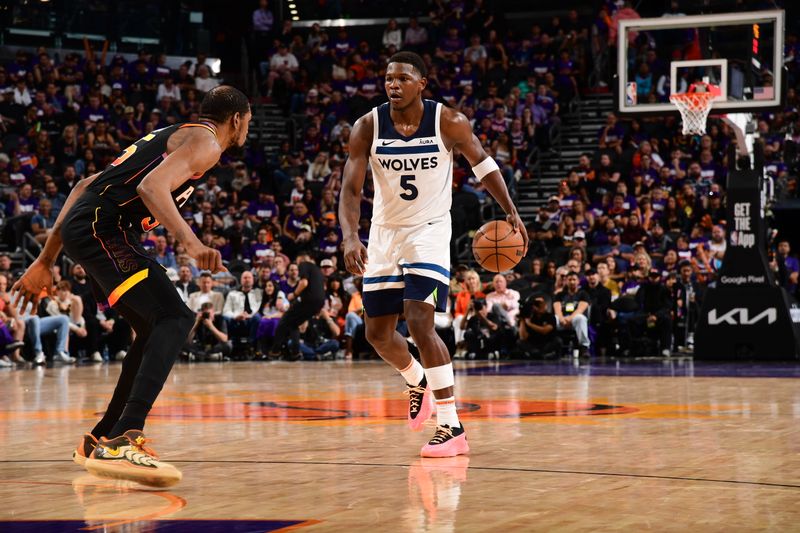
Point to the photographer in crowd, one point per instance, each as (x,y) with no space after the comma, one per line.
(318,337)
(208,340)
(484,330)
(537,331)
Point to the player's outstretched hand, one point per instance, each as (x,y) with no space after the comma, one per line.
(209,259)
(28,288)
(355,256)
(515,220)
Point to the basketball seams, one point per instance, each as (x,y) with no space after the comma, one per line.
(510,232)
(496,251)
(486,239)
(499,246)
(494,227)
(510,259)
(484,261)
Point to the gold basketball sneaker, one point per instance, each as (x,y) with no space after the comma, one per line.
(127,457)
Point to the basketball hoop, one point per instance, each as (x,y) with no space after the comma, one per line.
(694,105)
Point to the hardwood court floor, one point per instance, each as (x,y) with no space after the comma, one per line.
(324,447)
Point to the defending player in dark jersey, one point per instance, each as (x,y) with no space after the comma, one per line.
(119,182)
(99,227)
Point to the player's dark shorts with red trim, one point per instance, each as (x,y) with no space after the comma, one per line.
(96,236)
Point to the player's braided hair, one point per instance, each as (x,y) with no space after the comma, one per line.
(410,58)
(222,102)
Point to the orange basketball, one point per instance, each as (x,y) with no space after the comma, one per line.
(497,247)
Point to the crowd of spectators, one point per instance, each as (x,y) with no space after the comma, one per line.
(636,233)
(620,255)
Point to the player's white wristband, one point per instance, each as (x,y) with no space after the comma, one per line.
(485,167)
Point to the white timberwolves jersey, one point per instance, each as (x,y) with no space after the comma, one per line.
(413,175)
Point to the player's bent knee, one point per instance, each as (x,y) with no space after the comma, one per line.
(379,338)
(420,328)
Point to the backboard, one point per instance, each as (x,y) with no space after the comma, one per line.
(740,52)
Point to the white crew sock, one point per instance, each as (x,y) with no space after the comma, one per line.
(413,373)
(446,413)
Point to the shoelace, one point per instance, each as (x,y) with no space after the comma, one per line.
(442,434)
(140,444)
(415,396)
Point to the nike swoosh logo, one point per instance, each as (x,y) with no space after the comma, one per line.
(384,143)
(113,452)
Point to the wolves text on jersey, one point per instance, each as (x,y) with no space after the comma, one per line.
(409,164)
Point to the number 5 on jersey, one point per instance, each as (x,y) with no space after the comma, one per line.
(410,189)
(130,150)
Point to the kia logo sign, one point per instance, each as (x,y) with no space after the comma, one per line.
(740,316)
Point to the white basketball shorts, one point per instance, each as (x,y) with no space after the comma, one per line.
(408,263)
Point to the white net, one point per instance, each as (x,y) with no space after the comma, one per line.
(694,108)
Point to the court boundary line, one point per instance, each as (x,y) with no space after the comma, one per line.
(476,468)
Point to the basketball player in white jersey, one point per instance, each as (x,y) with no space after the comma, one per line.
(409,144)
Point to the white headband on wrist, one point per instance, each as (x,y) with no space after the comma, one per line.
(485,167)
